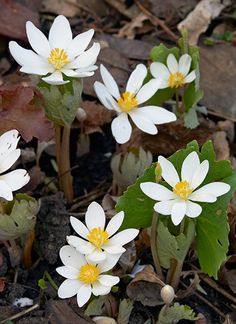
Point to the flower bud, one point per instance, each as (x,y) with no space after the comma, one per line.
(81,114)
(158,172)
(167,294)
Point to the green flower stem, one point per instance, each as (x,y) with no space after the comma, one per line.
(62,134)
(176,265)
(154,246)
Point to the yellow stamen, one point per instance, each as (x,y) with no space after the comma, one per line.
(58,58)
(89,273)
(176,80)
(182,189)
(127,101)
(98,237)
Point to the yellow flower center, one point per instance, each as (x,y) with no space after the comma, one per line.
(58,58)
(98,237)
(89,273)
(176,80)
(182,189)
(127,101)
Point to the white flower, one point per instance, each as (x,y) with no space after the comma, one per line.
(175,74)
(179,201)
(126,104)
(16,179)
(84,278)
(57,55)
(98,243)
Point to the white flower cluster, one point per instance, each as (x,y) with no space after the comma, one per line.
(96,250)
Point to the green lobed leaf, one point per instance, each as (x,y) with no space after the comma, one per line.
(170,246)
(175,313)
(190,119)
(125,309)
(61,102)
(95,307)
(20,220)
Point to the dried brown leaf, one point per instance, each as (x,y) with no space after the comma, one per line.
(18,110)
(13,16)
(146,287)
(129,30)
(227,273)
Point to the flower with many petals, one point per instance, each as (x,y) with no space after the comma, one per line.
(84,278)
(98,242)
(126,103)
(181,200)
(59,54)
(12,180)
(175,74)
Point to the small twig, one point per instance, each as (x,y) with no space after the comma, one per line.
(156,21)
(22,313)
(214,285)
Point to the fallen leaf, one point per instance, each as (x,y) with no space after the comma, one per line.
(18,110)
(221,145)
(13,16)
(199,19)
(227,273)
(59,7)
(2,284)
(129,30)
(145,288)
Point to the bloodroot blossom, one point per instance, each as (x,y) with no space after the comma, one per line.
(181,200)
(126,104)
(98,242)
(12,180)
(84,278)
(59,54)
(175,74)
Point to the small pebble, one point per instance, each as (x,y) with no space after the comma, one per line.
(23,302)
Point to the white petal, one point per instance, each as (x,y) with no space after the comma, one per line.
(69,73)
(199,174)
(55,78)
(75,241)
(157,115)
(60,34)
(178,212)
(107,280)
(148,90)
(202,197)
(8,142)
(113,249)
(95,216)
(26,57)
(124,237)
(99,290)
(36,70)
(69,288)
(115,223)
(193,210)
(109,263)
(164,84)
(215,188)
(172,63)
(156,191)
(79,44)
(86,59)
(136,78)
(121,128)
(159,70)
(71,258)
(96,256)
(190,164)
(190,77)
(109,82)
(79,227)
(169,174)
(16,179)
(86,249)
(7,160)
(84,74)
(68,272)
(83,295)
(164,207)
(5,191)
(37,40)
(184,64)
(146,125)
(105,97)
